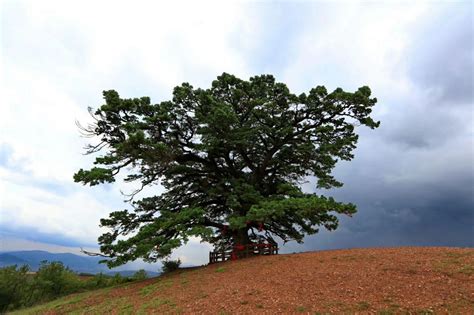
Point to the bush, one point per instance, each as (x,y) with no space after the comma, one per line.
(99,281)
(170,265)
(19,288)
(54,279)
(140,275)
(15,288)
(118,279)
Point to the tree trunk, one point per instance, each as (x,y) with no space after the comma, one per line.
(241,240)
(241,237)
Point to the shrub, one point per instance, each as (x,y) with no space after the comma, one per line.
(170,265)
(140,275)
(19,288)
(99,281)
(15,287)
(118,279)
(54,279)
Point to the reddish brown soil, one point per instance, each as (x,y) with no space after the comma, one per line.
(357,281)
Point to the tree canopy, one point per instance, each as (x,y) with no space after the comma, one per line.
(231,159)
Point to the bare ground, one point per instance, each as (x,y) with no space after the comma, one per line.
(408,280)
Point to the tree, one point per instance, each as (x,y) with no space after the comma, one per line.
(140,275)
(231,159)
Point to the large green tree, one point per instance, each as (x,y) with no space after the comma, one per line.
(231,159)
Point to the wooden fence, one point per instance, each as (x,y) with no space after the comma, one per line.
(243,251)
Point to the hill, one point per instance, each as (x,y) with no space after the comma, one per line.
(7,259)
(386,281)
(79,264)
(33,259)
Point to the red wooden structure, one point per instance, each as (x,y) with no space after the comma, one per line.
(243,251)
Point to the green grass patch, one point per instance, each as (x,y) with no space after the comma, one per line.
(363,306)
(157,286)
(155,304)
(301,309)
(452,265)
(467,270)
(220,269)
(54,305)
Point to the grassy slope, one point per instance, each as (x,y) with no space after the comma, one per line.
(383,281)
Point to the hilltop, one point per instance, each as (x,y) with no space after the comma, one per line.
(384,280)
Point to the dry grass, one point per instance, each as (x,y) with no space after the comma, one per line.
(358,281)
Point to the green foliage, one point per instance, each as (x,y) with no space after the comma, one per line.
(170,265)
(140,275)
(53,279)
(21,288)
(99,281)
(117,279)
(231,158)
(14,287)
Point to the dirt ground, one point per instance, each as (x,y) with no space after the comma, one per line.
(408,280)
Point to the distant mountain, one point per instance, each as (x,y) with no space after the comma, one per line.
(79,264)
(8,260)
(34,258)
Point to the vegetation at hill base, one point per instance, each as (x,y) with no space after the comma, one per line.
(379,281)
(21,288)
(231,158)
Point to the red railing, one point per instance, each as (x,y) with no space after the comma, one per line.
(243,251)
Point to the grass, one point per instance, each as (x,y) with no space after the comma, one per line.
(56,304)
(157,295)
(467,270)
(392,309)
(363,306)
(452,264)
(157,286)
(155,304)
(301,309)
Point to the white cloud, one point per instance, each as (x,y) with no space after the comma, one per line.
(74,215)
(57,57)
(354,45)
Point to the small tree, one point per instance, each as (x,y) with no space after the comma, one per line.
(231,159)
(54,279)
(140,275)
(170,265)
(15,287)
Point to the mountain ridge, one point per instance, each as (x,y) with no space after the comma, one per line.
(77,263)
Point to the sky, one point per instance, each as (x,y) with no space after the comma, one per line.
(412,179)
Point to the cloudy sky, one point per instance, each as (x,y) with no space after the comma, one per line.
(412,179)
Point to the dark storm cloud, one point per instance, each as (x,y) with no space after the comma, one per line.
(413,178)
(405,196)
(441,56)
(33,234)
(421,124)
(403,199)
